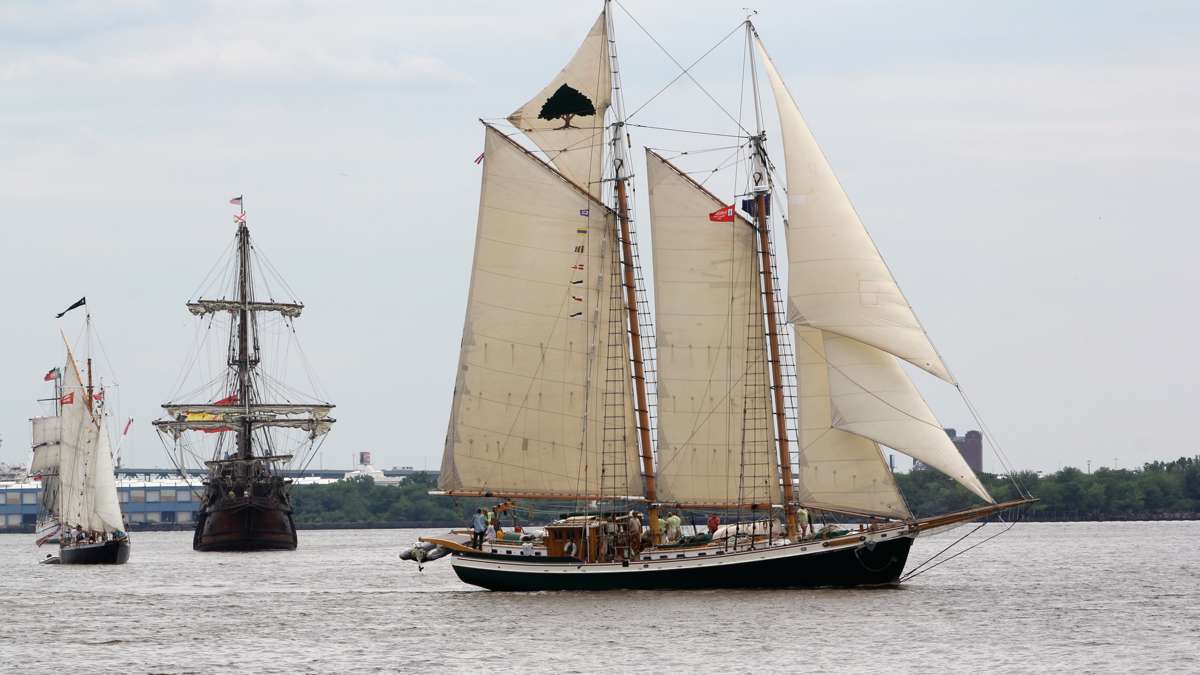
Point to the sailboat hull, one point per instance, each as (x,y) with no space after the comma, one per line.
(253,525)
(107,553)
(867,560)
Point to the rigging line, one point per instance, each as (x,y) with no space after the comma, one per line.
(1001,455)
(915,572)
(222,258)
(950,546)
(724,164)
(688,131)
(685,71)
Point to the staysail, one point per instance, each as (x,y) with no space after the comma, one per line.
(840,286)
(528,415)
(714,412)
(566,118)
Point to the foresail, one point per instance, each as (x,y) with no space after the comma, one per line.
(873,397)
(528,415)
(105,513)
(713,387)
(838,282)
(838,470)
(566,118)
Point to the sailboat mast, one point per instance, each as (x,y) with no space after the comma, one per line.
(641,402)
(761,189)
(243,361)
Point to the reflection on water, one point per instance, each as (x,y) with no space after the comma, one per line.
(1099,597)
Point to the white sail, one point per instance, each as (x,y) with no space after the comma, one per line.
(714,392)
(873,397)
(528,414)
(838,281)
(47,432)
(87,490)
(76,451)
(106,509)
(839,284)
(557,118)
(838,470)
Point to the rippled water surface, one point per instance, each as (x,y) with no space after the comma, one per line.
(1096,597)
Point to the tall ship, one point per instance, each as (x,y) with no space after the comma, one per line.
(762,405)
(243,421)
(73,457)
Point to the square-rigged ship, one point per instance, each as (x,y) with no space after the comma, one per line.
(556,383)
(260,425)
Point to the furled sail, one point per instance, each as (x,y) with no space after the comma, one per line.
(47,433)
(528,415)
(566,118)
(839,285)
(839,282)
(715,423)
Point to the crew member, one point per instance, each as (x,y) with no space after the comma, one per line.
(478,527)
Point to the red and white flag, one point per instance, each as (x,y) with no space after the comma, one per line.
(239,218)
(722,215)
(67,398)
(51,375)
(98,396)
(236,201)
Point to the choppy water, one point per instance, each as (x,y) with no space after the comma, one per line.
(1096,597)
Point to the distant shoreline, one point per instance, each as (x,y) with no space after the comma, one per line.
(428,525)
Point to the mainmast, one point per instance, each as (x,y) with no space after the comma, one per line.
(620,145)
(760,190)
(243,360)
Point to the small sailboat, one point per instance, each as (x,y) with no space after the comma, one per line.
(249,412)
(562,382)
(72,452)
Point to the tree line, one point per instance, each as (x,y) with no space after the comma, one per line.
(1156,490)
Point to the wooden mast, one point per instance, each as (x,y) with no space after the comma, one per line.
(761,189)
(641,401)
(243,361)
(639,373)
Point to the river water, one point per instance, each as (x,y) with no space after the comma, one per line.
(1078,597)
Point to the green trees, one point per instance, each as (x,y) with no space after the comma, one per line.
(360,501)
(1158,489)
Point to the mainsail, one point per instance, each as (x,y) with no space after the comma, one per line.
(850,315)
(529,413)
(714,412)
(566,118)
(88,491)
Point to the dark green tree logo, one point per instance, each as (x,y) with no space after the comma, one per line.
(565,104)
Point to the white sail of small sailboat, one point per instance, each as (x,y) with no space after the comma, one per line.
(73,454)
(561,381)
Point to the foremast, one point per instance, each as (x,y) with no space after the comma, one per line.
(242,362)
(760,191)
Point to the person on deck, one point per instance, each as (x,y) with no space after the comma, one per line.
(79,535)
(478,527)
(802,520)
(489,535)
(673,531)
(713,523)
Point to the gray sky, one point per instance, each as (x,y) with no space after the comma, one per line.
(1028,170)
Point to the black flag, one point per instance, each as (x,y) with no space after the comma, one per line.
(79,303)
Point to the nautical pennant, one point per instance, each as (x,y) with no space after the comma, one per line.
(78,303)
(722,215)
(67,398)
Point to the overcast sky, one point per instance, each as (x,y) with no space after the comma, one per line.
(1028,169)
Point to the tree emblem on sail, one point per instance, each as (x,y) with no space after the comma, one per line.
(565,104)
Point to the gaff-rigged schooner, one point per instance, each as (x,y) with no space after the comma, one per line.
(552,399)
(249,411)
(72,454)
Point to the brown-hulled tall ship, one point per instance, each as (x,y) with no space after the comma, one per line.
(257,422)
